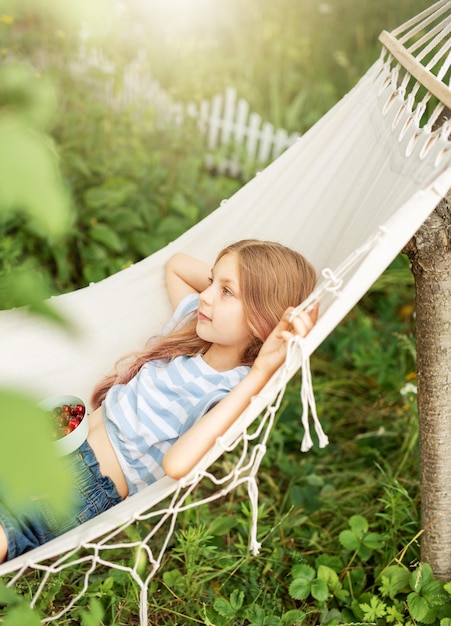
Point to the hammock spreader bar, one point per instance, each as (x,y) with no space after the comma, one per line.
(415,69)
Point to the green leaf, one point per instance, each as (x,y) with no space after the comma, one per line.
(418,607)
(93,273)
(319,590)
(63,264)
(348,540)
(364,552)
(94,615)
(358,524)
(328,576)
(224,608)
(222,525)
(374,610)
(27,431)
(295,616)
(172,578)
(7,595)
(25,286)
(394,580)
(107,585)
(303,571)
(331,561)
(236,599)
(257,616)
(21,615)
(101,233)
(421,576)
(299,588)
(114,193)
(434,593)
(76,162)
(394,615)
(30,95)
(93,252)
(184,207)
(143,243)
(172,226)
(28,156)
(125,220)
(373,540)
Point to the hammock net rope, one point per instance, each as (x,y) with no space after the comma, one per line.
(349,195)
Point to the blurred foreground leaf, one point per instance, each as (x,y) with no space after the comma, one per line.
(29,464)
(29,95)
(30,180)
(27,286)
(20,612)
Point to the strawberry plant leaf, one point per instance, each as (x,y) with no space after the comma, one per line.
(303,571)
(224,608)
(373,540)
(299,588)
(236,599)
(419,608)
(358,524)
(349,540)
(319,590)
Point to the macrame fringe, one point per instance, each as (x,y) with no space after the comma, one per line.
(252,488)
(306,395)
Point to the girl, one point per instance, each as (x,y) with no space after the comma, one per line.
(163,409)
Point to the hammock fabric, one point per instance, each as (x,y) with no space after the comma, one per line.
(349,195)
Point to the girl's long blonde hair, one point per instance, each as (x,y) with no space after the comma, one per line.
(272,277)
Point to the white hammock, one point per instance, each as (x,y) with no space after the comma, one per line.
(349,195)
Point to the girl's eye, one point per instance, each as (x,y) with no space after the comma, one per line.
(227,292)
(210,280)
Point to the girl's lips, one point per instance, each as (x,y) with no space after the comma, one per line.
(202,318)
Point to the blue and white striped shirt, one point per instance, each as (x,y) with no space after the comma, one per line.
(148,414)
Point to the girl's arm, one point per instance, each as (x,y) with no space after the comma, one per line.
(187,451)
(185,274)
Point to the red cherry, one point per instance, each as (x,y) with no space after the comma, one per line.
(73,423)
(66,409)
(79,409)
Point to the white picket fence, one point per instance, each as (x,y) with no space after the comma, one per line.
(237,139)
(227,121)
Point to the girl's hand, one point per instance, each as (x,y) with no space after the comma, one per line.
(274,349)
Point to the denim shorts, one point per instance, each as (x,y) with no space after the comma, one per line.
(35,523)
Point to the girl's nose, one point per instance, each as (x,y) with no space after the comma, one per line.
(205,295)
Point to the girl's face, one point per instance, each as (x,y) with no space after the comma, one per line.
(221,319)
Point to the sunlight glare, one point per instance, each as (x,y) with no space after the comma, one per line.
(176,16)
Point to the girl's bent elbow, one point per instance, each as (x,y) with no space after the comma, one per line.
(172,468)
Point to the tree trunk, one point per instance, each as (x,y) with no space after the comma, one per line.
(430,255)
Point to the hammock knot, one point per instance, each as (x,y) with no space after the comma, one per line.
(419,111)
(446,129)
(335,282)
